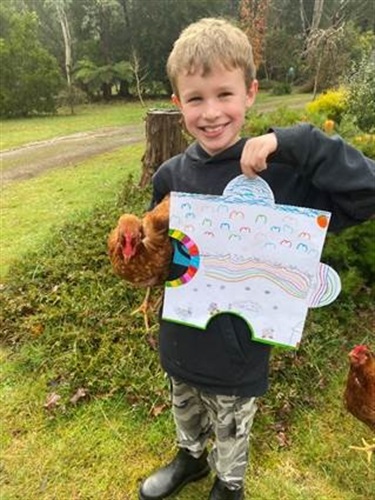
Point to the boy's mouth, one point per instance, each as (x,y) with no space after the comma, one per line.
(211,130)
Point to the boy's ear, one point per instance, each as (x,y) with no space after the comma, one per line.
(176,100)
(252,92)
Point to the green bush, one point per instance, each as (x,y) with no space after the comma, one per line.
(365,143)
(259,123)
(71,97)
(281,88)
(265,84)
(352,254)
(30,77)
(361,95)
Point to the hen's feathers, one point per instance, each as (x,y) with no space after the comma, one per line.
(149,264)
(359,393)
(360,388)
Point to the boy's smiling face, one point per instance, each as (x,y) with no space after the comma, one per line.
(214,106)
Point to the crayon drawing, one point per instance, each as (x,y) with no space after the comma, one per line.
(250,257)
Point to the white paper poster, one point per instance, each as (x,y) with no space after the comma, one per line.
(250,257)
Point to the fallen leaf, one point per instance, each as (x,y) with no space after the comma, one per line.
(81,393)
(52,401)
(157,410)
(282,439)
(37,329)
(152,342)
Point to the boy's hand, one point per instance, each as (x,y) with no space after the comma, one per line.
(255,153)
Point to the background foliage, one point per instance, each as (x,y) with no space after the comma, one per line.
(118,48)
(30,75)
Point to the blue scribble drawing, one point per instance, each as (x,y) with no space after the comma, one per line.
(302,247)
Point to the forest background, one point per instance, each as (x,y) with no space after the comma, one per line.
(58,52)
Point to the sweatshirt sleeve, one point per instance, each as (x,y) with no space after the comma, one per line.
(332,166)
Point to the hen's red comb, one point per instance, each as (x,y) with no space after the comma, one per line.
(360,349)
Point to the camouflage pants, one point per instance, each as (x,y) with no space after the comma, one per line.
(198,416)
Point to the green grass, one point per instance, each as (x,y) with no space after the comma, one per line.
(266,102)
(57,197)
(17,132)
(102,448)
(318,463)
(91,451)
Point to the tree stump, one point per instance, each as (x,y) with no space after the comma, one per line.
(164,138)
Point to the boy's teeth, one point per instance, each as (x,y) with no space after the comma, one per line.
(212,129)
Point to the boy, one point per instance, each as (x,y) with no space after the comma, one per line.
(216,375)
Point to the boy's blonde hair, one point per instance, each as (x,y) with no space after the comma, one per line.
(204,44)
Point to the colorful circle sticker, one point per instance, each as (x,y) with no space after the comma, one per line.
(322,221)
(194,258)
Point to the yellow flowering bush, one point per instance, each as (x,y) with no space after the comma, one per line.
(332,104)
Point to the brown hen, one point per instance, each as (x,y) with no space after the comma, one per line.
(359,394)
(140,250)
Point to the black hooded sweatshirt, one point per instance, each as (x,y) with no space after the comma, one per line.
(309,169)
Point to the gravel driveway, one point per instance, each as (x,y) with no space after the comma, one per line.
(32,159)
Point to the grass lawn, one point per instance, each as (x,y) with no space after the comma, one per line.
(102,449)
(17,132)
(57,197)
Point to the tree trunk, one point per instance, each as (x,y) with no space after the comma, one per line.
(164,139)
(317,14)
(64,23)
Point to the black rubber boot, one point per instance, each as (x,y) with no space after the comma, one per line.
(221,492)
(173,477)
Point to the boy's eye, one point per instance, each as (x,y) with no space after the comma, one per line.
(225,94)
(193,99)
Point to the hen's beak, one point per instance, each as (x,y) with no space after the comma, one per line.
(127,255)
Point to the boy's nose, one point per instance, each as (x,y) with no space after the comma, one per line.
(211,111)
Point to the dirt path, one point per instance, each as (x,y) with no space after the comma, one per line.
(32,159)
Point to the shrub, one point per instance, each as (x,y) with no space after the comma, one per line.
(332,105)
(265,84)
(71,97)
(259,123)
(352,254)
(365,143)
(30,76)
(361,95)
(281,88)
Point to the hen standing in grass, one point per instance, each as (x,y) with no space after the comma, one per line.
(140,250)
(360,390)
